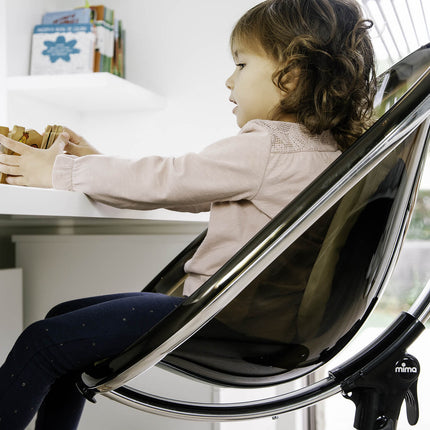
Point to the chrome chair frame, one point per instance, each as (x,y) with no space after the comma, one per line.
(419,313)
(389,132)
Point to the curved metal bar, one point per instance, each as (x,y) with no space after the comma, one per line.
(399,335)
(420,309)
(253,258)
(229,282)
(209,412)
(422,139)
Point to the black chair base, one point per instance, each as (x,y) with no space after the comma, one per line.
(379,393)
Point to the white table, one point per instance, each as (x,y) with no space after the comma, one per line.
(25,208)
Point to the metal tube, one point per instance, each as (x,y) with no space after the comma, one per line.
(209,412)
(425,20)
(379,31)
(401,26)
(412,21)
(421,307)
(381,10)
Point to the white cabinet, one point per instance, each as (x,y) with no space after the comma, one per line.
(11,313)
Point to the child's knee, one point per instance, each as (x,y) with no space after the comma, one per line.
(59,309)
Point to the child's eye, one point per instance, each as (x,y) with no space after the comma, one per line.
(240,65)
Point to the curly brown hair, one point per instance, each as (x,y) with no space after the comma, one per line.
(325,45)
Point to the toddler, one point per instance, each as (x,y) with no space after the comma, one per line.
(302,90)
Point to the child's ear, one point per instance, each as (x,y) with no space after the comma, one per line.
(288,81)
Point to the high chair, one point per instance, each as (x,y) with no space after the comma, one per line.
(299,290)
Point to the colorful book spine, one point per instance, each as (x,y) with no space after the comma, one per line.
(104,26)
(104,46)
(118,56)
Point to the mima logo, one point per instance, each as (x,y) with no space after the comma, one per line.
(405,369)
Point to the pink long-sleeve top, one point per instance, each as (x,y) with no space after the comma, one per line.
(244,181)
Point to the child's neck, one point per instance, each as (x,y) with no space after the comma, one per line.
(288,117)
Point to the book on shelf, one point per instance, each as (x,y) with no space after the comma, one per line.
(75,16)
(105,38)
(118,56)
(62,48)
(29,137)
(81,40)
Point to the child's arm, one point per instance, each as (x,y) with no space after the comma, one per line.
(229,170)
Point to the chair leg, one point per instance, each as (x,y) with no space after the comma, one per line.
(378,393)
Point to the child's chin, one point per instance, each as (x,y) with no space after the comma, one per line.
(240,122)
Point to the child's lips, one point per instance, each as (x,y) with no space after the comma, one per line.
(235,108)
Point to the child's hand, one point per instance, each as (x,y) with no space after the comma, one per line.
(30,166)
(77,145)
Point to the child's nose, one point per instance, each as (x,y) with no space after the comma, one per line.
(229,82)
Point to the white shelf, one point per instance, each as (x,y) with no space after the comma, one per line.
(92,92)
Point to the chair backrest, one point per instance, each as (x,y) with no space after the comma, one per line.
(307,304)
(301,288)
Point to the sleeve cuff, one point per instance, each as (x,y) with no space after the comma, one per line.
(62,172)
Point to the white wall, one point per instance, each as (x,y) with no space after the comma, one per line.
(3,63)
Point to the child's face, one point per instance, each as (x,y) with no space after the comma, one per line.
(251,86)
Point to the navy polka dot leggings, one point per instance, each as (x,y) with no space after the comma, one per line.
(39,374)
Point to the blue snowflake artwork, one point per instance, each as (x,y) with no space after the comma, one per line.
(60,49)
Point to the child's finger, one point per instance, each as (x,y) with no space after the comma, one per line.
(13,145)
(10,170)
(10,160)
(73,149)
(73,137)
(16,180)
(61,141)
